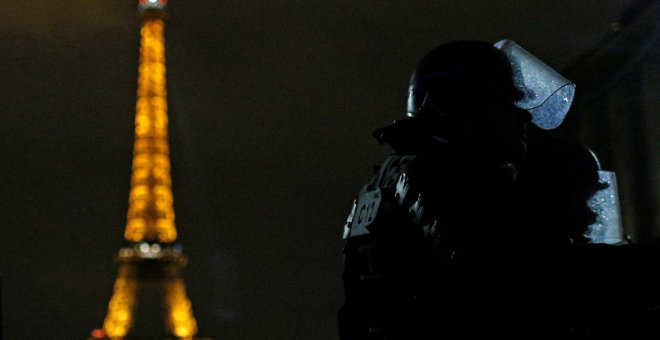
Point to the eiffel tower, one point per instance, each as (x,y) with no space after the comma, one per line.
(153,261)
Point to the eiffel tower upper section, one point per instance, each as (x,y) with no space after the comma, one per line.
(151,213)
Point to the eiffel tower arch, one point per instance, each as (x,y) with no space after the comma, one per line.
(153,262)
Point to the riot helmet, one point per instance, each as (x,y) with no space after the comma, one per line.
(456,74)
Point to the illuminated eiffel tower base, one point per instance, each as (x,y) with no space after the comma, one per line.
(149,267)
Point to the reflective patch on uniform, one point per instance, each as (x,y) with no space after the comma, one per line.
(417,210)
(366,211)
(401,189)
(349,221)
(347,232)
(430,230)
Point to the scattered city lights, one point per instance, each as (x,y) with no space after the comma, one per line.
(144,247)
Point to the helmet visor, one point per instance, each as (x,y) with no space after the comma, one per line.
(605,203)
(547,94)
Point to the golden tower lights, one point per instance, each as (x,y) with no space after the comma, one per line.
(153,261)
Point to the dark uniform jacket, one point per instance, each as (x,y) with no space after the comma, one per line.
(436,249)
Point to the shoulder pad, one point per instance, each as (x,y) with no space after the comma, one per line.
(388,174)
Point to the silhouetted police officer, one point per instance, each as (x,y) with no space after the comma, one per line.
(432,246)
(451,240)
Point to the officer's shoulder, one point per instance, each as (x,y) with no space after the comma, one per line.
(391,169)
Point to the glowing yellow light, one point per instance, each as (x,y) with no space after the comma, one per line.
(135,230)
(166,231)
(120,309)
(139,192)
(180,317)
(139,175)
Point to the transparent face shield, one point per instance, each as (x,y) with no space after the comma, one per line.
(605,203)
(547,94)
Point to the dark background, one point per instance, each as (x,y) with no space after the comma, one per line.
(272,104)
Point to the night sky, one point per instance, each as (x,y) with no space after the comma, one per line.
(272,104)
